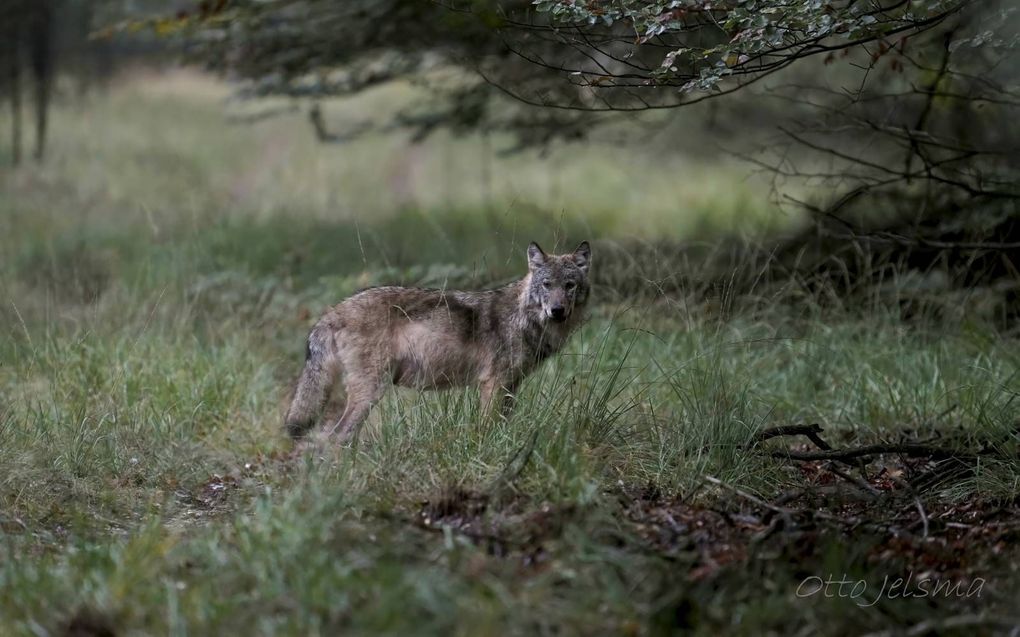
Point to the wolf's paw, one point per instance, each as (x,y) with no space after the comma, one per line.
(321,445)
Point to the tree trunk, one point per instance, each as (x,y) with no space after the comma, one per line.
(14,87)
(40,40)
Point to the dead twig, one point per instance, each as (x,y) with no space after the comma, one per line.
(857,482)
(924,517)
(327,137)
(782,511)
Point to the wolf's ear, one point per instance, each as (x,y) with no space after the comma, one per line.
(536,257)
(582,256)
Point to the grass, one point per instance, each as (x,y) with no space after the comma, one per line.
(160,274)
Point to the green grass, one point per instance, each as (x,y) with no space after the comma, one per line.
(159,278)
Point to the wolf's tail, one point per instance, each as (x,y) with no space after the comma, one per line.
(313,387)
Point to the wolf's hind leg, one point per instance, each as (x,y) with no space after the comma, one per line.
(362,395)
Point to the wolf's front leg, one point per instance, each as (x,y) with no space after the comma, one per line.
(498,397)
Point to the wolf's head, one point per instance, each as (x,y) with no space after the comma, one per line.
(559,282)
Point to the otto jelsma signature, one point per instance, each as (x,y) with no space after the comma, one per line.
(866,594)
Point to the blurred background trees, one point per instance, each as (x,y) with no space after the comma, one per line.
(915,97)
(41,40)
(26,49)
(930,81)
(898,119)
(892,124)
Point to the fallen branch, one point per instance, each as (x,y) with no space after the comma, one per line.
(826,452)
(905,449)
(811,431)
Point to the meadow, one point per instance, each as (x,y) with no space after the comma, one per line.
(160,272)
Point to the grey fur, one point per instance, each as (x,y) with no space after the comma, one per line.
(435,339)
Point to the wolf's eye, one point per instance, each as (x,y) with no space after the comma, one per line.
(546,284)
(570,285)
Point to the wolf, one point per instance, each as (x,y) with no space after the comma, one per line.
(435,339)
